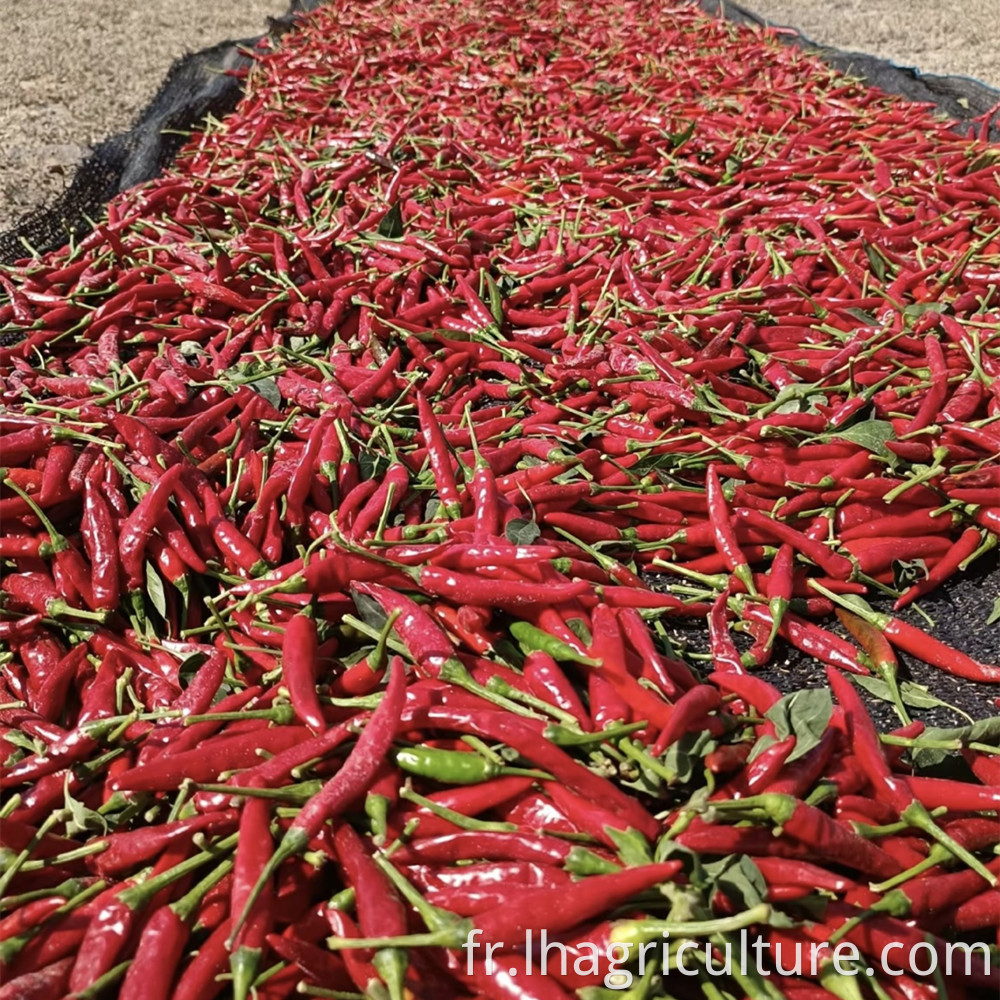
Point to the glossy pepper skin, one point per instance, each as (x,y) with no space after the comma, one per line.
(299,669)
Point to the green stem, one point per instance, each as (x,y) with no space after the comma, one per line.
(463,822)
(562,736)
(139,895)
(641,931)
(99,985)
(919,818)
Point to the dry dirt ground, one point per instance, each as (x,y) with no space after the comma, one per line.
(74,71)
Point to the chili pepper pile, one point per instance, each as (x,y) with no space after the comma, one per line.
(354,474)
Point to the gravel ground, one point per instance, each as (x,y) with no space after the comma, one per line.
(79,71)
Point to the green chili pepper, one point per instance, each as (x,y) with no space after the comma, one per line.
(450,767)
(532,639)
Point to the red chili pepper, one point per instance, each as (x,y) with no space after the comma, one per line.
(129,848)
(496,593)
(358,963)
(380,911)
(691,710)
(925,647)
(437,450)
(349,782)
(135,531)
(979,912)
(199,980)
(955,796)
(299,665)
(725,537)
(388,495)
(110,927)
(226,753)
(867,748)
(547,681)
(250,895)
(812,639)
(837,566)
(468,800)
(949,564)
(523,737)
(810,826)
(162,943)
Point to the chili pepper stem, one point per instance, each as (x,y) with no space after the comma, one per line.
(853,604)
(20,861)
(99,985)
(391,964)
(630,932)
(919,818)
(243,964)
(292,843)
(84,851)
(744,574)
(447,938)
(463,822)
(498,685)
(777,607)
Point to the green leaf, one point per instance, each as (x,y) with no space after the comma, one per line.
(803,714)
(981,731)
(669,850)
(369,610)
(765,742)
(995,613)
(24,741)
(391,226)
(916,309)
(83,819)
(154,588)
(268,388)
(913,695)
(677,139)
(875,260)
(986,158)
(522,531)
(579,628)
(373,464)
(685,757)
(866,317)
(871,435)
(796,402)
(738,879)
(191,349)
(189,667)
(906,572)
